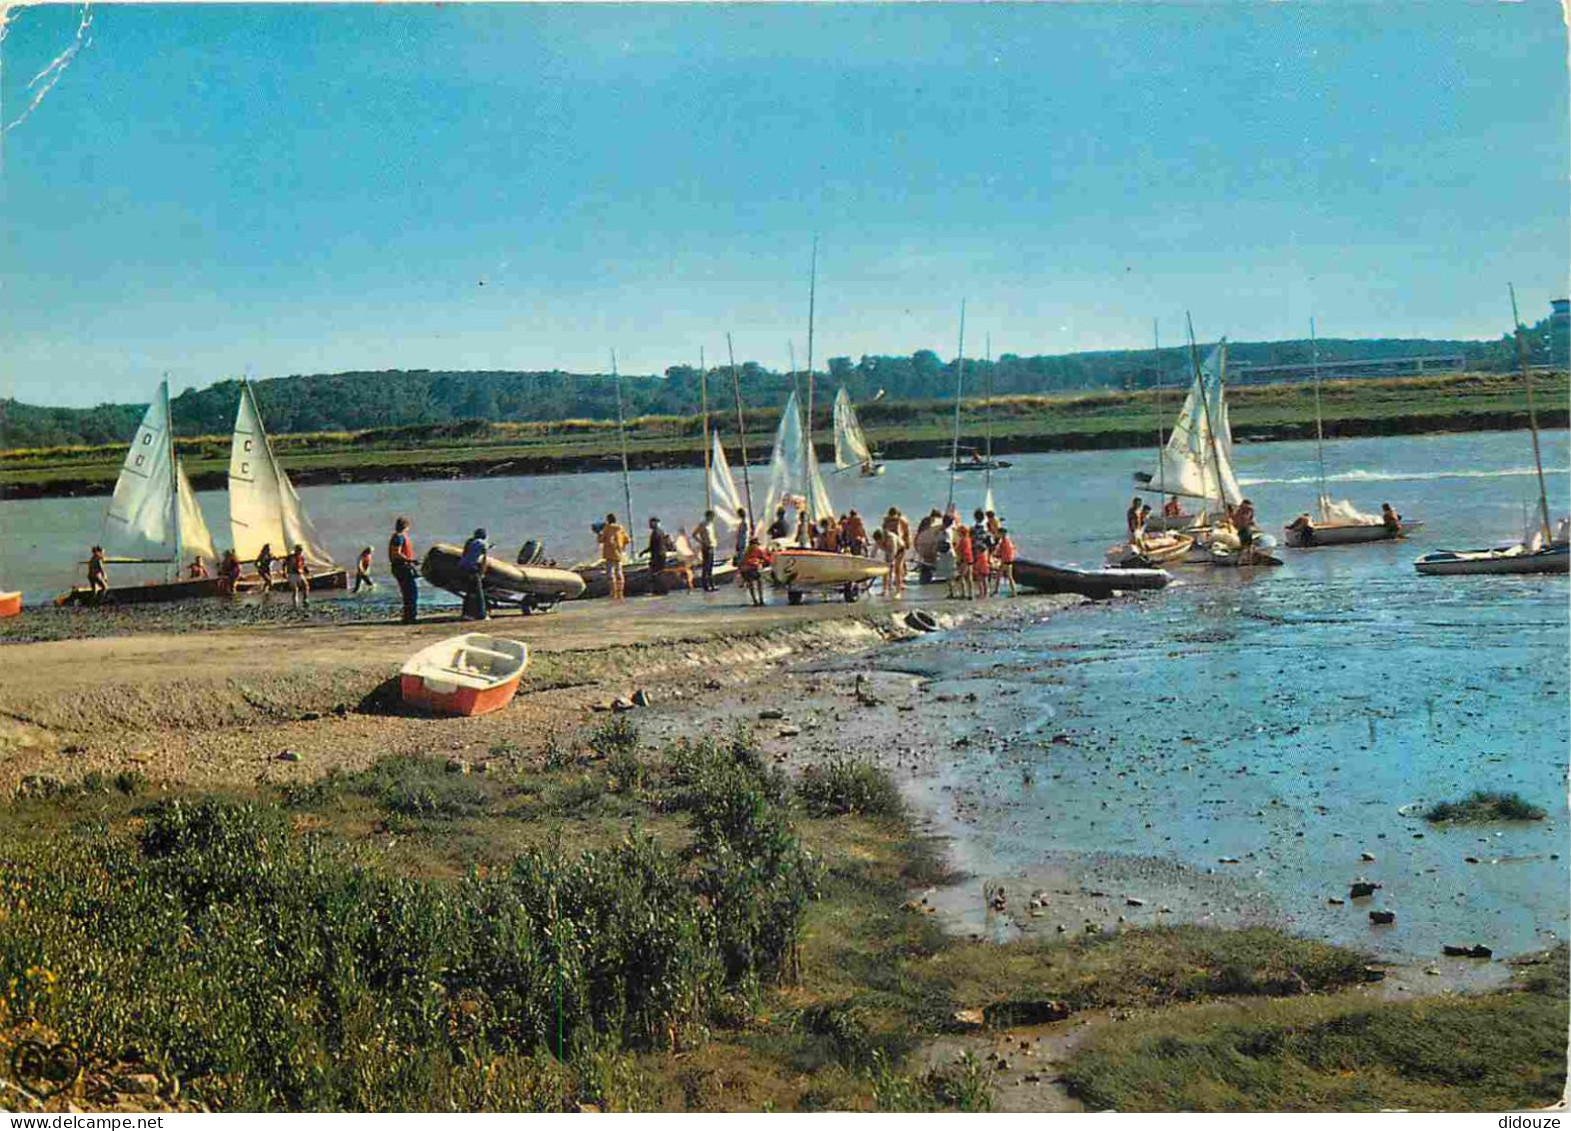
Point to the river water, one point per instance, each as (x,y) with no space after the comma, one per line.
(1289,720)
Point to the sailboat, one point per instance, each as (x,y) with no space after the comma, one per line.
(1540,551)
(264,509)
(153,519)
(1197,463)
(851,448)
(1337,523)
(724,497)
(794,476)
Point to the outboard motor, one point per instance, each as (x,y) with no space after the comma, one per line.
(531,553)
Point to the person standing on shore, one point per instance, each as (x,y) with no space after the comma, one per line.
(264,566)
(1132,517)
(855,541)
(97,574)
(779,528)
(705,537)
(754,561)
(401,559)
(659,550)
(613,543)
(299,577)
(228,572)
(964,557)
(1006,562)
(744,535)
(473,565)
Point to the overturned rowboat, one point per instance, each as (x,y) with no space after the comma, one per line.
(472,674)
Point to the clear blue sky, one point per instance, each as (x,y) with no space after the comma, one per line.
(308,189)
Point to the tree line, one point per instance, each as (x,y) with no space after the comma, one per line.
(395,398)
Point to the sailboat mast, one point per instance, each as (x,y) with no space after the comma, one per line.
(987,474)
(741,435)
(1205,403)
(807,429)
(1320,434)
(960,371)
(173,573)
(621,431)
(703,402)
(1161,441)
(1532,415)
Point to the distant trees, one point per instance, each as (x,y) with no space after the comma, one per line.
(394,398)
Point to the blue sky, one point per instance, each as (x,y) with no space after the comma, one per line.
(304,189)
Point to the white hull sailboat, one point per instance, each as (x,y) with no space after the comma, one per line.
(153,519)
(1337,523)
(1540,551)
(264,509)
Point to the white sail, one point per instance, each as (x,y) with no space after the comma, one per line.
(1343,512)
(195,539)
(263,506)
(722,487)
(793,470)
(143,520)
(850,445)
(1191,465)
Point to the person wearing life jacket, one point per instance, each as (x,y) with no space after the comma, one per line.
(298,574)
(1006,562)
(401,560)
(755,560)
(473,566)
(264,566)
(614,541)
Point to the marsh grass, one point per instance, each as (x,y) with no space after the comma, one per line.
(1488,1052)
(1484,805)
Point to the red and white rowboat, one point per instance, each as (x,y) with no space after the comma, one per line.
(471,674)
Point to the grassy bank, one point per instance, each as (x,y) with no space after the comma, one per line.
(589,922)
(1456,402)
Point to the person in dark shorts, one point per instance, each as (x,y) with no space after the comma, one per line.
(473,566)
(401,559)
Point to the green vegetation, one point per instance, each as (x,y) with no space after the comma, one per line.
(394,399)
(843,786)
(1484,805)
(900,429)
(593,922)
(1492,1052)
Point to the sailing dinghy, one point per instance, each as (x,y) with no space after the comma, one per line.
(1337,523)
(851,448)
(472,674)
(1540,551)
(153,519)
(264,509)
(793,470)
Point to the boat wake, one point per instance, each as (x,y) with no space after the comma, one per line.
(1358,475)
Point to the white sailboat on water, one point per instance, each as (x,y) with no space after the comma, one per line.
(1190,465)
(264,508)
(1540,550)
(153,518)
(1337,523)
(851,448)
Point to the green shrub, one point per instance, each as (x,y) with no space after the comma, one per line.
(269,969)
(131,782)
(618,733)
(841,786)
